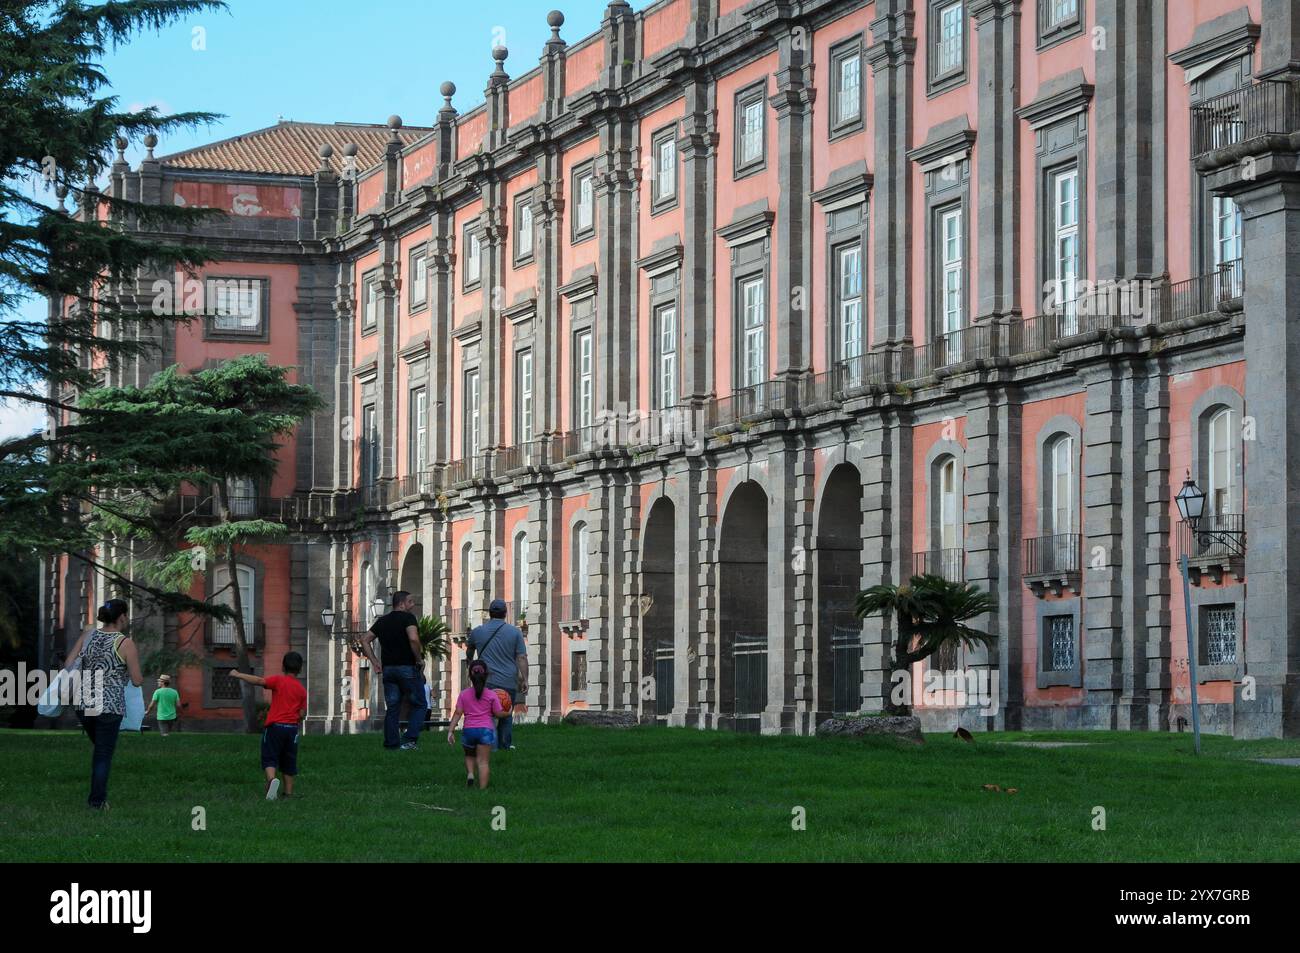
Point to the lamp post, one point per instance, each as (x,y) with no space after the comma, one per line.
(376,608)
(1191,506)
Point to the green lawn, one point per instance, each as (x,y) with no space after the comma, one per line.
(658,794)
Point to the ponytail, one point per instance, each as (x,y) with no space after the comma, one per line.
(111,611)
(478,674)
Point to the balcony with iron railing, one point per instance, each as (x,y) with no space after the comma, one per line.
(1051,563)
(950,564)
(572,610)
(1221,290)
(221,634)
(1258,111)
(1216,545)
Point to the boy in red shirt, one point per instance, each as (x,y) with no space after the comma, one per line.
(280,736)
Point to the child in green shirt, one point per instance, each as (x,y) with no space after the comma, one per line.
(165,699)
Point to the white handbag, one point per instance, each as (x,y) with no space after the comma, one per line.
(53,700)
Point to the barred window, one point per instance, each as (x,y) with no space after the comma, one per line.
(1220,638)
(1060,643)
(225,687)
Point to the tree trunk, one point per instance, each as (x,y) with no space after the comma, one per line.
(243,662)
(901,639)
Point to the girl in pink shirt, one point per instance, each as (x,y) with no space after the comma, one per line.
(480,707)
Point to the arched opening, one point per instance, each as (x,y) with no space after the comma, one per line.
(742,617)
(658,604)
(413,577)
(839,577)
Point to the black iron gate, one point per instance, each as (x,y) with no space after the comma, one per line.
(663,678)
(750,663)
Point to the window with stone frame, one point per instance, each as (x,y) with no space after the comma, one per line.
(369,445)
(1059,20)
(663,157)
(846,88)
(1059,643)
(369,303)
(947,45)
(419,291)
(583,216)
(1065,262)
(1217,227)
(472,243)
(525,232)
(418,439)
(578,672)
(584,380)
(224,686)
(1218,634)
(236,307)
(524,395)
(750,130)
(470,432)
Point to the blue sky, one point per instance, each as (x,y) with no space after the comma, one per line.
(323,61)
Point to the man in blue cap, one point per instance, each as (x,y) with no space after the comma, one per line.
(501,647)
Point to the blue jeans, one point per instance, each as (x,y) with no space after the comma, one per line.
(505,734)
(102,730)
(403,681)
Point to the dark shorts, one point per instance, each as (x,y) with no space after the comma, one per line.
(471,738)
(280,748)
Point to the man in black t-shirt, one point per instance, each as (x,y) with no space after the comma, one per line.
(399,665)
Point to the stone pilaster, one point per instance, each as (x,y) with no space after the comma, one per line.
(1130,138)
(1279,40)
(997,24)
(697,147)
(617,193)
(892,56)
(792,104)
(707,660)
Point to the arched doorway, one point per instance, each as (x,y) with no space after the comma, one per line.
(658,609)
(839,577)
(413,577)
(742,616)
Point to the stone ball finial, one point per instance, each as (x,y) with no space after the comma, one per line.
(448,89)
(394,122)
(555,20)
(150,141)
(499,53)
(350,149)
(325,151)
(121,143)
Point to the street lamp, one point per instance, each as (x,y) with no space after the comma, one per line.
(1191,505)
(376,608)
(327,618)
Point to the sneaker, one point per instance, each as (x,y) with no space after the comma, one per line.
(469,781)
(410,746)
(272,789)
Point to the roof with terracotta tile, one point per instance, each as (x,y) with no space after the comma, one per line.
(291,148)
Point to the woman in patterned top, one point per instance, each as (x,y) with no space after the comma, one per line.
(105,650)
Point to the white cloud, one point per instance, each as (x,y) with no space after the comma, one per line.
(20,418)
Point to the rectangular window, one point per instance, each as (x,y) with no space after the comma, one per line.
(225,687)
(846,75)
(1057,19)
(1059,654)
(948,505)
(751,114)
(524,389)
(584,203)
(951,273)
(419,279)
(666,324)
(473,258)
(848,264)
(947,43)
(1227,230)
(578,671)
(235,305)
(1065,247)
(523,229)
(370,304)
(369,445)
(753,330)
(1061,487)
(664,151)
(1219,636)
(1219,490)
(584,391)
(470,437)
(419,438)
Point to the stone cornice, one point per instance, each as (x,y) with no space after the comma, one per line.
(1056,101)
(946,140)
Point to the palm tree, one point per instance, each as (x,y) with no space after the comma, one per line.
(930,612)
